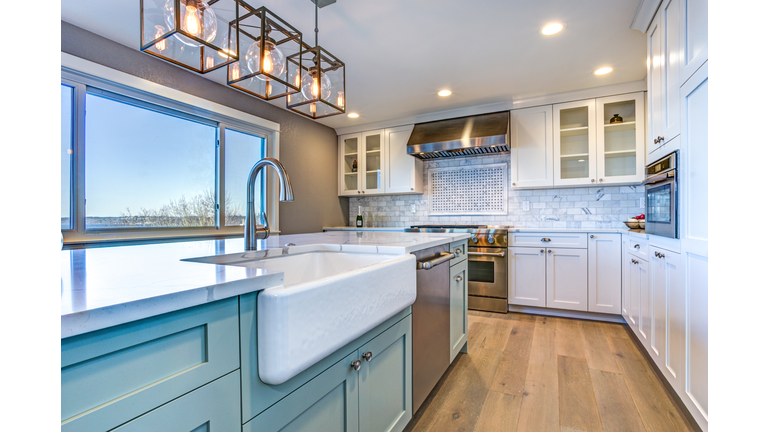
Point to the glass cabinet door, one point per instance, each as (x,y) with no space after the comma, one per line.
(350,163)
(372,178)
(620,138)
(574,142)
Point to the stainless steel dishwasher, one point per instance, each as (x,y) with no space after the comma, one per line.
(431,321)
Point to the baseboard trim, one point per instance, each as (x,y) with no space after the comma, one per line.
(562,313)
(675,397)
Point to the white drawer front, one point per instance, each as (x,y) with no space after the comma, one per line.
(638,248)
(549,240)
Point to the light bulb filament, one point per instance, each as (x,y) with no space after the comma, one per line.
(267,63)
(315,87)
(160,46)
(192,21)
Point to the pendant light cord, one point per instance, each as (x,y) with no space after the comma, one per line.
(316,31)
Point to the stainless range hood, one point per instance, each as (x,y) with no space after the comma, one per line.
(463,136)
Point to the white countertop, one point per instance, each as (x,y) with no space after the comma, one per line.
(636,232)
(104,287)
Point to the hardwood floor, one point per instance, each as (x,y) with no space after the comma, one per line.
(530,373)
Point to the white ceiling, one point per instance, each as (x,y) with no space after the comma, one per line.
(399,53)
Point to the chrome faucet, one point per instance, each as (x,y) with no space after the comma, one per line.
(252,232)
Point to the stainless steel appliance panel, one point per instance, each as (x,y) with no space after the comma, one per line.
(661,216)
(431,324)
(487,272)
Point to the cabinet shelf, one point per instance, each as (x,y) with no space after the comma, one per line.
(575,155)
(351,173)
(616,153)
(616,127)
(584,130)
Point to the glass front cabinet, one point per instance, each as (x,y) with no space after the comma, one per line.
(361,163)
(599,141)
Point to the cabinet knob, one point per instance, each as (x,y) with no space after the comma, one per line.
(542,251)
(601,180)
(545,239)
(592,236)
(637,246)
(459,278)
(593,180)
(411,188)
(549,251)
(458,251)
(368,356)
(514,184)
(356,365)
(363,191)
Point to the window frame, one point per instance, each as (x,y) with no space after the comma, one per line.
(87,77)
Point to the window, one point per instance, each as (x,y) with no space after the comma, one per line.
(67,99)
(147,167)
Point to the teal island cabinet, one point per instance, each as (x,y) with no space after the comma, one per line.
(196,370)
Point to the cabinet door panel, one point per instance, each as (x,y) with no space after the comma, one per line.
(373,173)
(404,172)
(626,297)
(567,279)
(693,27)
(575,146)
(668,314)
(605,273)
(621,145)
(531,147)
(642,286)
(350,162)
(385,392)
(670,70)
(328,402)
(211,408)
(458,295)
(527,276)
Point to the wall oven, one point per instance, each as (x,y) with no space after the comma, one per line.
(661,217)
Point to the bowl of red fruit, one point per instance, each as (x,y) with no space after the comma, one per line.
(637,222)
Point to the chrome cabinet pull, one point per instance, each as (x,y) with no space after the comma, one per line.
(356,365)
(368,356)
(546,239)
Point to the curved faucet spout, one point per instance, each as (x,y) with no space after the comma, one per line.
(252,232)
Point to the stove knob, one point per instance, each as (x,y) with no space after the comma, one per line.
(491,240)
(475,239)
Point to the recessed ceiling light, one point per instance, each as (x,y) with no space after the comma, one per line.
(603,71)
(353,115)
(551,29)
(444,93)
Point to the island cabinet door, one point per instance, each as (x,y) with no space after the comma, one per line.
(385,376)
(328,402)
(211,408)
(567,278)
(527,276)
(458,312)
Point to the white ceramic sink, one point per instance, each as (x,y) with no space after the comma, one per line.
(327,300)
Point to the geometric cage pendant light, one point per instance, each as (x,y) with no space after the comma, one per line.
(199,35)
(323,81)
(265,42)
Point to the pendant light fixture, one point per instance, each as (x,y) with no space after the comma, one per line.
(199,35)
(265,42)
(322,92)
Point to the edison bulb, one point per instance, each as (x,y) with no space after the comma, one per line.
(160,46)
(312,88)
(273,62)
(197,19)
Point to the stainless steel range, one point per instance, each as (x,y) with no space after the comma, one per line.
(487,263)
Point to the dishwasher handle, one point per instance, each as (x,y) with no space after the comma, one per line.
(445,256)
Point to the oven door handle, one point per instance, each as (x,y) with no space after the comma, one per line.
(496,254)
(659,177)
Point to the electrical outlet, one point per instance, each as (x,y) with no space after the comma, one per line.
(413,208)
(526,206)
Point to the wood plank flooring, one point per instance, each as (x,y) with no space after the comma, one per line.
(527,373)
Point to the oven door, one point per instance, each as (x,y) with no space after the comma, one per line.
(487,272)
(661,208)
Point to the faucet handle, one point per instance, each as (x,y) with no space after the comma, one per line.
(263,232)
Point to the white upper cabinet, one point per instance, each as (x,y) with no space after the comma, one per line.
(693,36)
(531,147)
(575,143)
(404,172)
(663,69)
(376,163)
(621,138)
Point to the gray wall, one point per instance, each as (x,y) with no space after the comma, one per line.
(308,150)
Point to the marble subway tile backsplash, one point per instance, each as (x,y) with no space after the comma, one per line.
(586,207)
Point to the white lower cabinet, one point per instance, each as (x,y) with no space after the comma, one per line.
(639,299)
(527,276)
(567,279)
(604,273)
(668,314)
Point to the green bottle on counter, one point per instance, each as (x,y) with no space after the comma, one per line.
(359,217)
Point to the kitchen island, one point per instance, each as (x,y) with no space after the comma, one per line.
(153,340)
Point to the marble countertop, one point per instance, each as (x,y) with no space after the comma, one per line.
(633,232)
(108,286)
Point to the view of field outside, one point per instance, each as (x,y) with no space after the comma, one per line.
(66,152)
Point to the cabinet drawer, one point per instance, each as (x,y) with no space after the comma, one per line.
(461,248)
(549,240)
(211,408)
(111,376)
(638,248)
